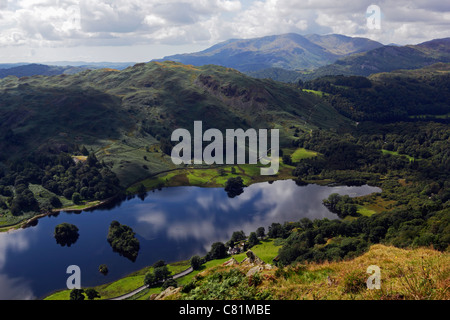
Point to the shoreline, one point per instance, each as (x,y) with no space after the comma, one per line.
(29,223)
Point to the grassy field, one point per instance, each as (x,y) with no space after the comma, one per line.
(395,153)
(318,93)
(302,153)
(364,211)
(217,176)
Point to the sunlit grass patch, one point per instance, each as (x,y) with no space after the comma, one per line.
(302,153)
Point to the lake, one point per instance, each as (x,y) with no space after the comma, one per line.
(172,224)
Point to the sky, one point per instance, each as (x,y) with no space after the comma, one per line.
(142,30)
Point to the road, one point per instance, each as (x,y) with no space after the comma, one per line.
(132,293)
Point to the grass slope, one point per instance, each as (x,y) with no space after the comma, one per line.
(418,274)
(123,115)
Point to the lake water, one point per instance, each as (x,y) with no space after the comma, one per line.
(172,224)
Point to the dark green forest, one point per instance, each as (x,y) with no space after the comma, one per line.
(60,175)
(415,179)
(388,98)
(122,240)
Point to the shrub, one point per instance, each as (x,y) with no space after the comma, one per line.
(196,262)
(355,281)
(169,283)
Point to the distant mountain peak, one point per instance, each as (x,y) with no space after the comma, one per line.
(290,51)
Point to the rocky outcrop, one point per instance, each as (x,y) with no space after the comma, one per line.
(166,293)
(252,259)
(231,262)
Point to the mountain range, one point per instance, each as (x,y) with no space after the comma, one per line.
(388,58)
(287,51)
(55,68)
(287,58)
(292,57)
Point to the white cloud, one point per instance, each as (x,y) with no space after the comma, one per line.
(27,25)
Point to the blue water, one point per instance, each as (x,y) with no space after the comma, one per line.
(172,224)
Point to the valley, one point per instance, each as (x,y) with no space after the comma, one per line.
(359,116)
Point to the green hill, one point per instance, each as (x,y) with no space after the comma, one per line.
(33,69)
(121,114)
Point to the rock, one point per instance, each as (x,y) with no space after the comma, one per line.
(268,267)
(252,259)
(330,281)
(166,293)
(153,296)
(231,262)
(254,270)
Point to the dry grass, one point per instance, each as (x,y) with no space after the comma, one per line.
(422,274)
(405,274)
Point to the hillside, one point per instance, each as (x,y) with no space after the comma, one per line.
(288,51)
(33,69)
(389,96)
(418,274)
(386,59)
(120,114)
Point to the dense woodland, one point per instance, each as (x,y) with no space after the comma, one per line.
(123,240)
(414,176)
(60,175)
(386,100)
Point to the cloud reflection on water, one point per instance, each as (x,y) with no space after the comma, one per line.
(209,215)
(13,288)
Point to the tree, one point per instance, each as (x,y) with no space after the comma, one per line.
(287,159)
(67,193)
(234,187)
(169,283)
(84,151)
(161,273)
(92,160)
(123,240)
(238,236)
(24,201)
(149,279)
(77,294)
(66,234)
(196,262)
(276,230)
(76,198)
(332,201)
(252,239)
(159,263)
(103,269)
(141,189)
(218,251)
(92,294)
(260,232)
(55,202)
